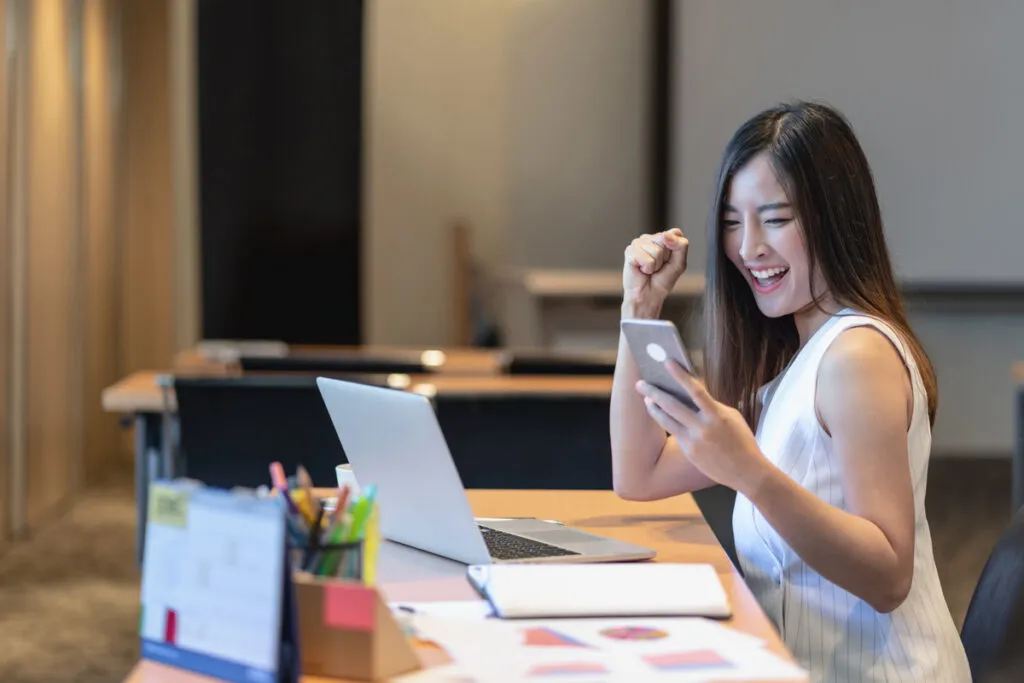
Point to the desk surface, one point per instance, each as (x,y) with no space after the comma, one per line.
(139,392)
(673,527)
(457,361)
(577,283)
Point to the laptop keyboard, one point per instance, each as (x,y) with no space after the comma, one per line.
(506,546)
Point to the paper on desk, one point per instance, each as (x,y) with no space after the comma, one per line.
(688,649)
(697,666)
(631,635)
(447,673)
(452,609)
(635,634)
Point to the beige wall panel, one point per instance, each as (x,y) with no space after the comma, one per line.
(148,333)
(100,243)
(52,441)
(6,101)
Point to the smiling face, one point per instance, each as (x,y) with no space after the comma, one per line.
(762,237)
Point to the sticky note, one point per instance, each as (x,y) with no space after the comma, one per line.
(168,506)
(349,607)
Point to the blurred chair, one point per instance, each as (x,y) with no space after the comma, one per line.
(527,441)
(540,441)
(560,363)
(716,504)
(329,361)
(993,630)
(232,428)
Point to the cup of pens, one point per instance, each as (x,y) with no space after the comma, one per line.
(327,538)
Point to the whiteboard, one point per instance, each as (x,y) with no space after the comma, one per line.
(933,88)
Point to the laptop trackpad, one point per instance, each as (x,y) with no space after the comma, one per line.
(565,537)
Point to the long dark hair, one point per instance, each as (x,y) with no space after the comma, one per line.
(816,156)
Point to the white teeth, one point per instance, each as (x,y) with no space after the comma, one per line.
(767,272)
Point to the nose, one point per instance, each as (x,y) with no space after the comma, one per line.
(753,246)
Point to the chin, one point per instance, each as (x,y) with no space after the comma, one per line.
(776,305)
(771,309)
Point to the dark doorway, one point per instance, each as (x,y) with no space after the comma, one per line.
(280,168)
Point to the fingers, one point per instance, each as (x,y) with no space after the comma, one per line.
(663,419)
(673,239)
(693,386)
(675,409)
(641,260)
(659,253)
(650,253)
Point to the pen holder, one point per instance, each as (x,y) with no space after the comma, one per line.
(334,560)
(347,631)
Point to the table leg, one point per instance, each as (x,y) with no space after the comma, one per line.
(148,435)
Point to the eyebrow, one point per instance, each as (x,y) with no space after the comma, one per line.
(763,207)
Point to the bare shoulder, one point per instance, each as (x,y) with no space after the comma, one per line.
(862,350)
(862,365)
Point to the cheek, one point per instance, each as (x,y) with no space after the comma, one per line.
(731,242)
(789,244)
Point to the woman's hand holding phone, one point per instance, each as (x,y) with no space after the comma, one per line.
(714,438)
(653,265)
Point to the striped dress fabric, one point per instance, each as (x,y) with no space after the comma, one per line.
(835,635)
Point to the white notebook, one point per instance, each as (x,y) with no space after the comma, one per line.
(601,590)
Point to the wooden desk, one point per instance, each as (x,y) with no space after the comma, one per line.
(673,527)
(140,392)
(455,361)
(152,410)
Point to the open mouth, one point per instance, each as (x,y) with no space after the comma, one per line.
(767,279)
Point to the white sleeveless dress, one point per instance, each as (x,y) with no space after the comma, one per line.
(835,635)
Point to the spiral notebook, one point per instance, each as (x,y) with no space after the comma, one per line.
(601,590)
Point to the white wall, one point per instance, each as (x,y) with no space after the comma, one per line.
(972,351)
(887,65)
(579,108)
(526,119)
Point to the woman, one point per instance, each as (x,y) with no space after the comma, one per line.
(818,405)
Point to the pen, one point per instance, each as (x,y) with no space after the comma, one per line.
(303,503)
(332,556)
(339,508)
(280,483)
(361,513)
(371,543)
(306,484)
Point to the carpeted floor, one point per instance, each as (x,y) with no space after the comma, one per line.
(69,596)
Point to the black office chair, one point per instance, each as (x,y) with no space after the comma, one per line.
(528,441)
(558,363)
(716,504)
(232,428)
(993,630)
(332,362)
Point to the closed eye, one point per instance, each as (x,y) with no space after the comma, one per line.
(729,224)
(777,221)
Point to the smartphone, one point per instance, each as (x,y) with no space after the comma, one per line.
(652,342)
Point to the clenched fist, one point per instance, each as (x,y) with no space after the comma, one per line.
(653,265)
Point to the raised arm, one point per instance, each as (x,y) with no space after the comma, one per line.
(645,464)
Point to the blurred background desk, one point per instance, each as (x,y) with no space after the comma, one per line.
(579,309)
(278,356)
(503,430)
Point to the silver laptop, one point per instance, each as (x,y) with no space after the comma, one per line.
(392,439)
